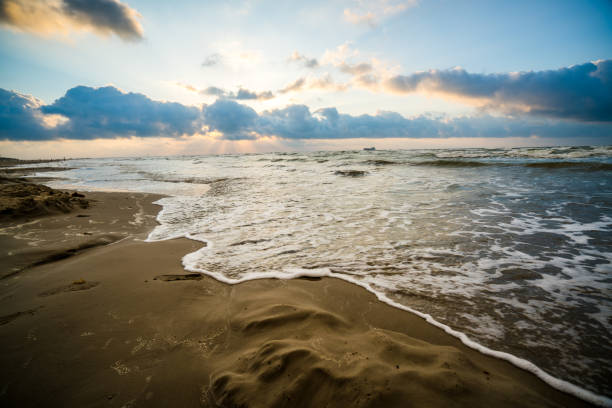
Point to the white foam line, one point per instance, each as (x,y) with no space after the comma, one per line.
(526,365)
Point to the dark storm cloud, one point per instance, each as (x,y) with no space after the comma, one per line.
(101,16)
(580,92)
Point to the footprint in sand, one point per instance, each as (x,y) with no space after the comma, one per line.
(74,286)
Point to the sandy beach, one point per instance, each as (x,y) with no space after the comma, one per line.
(93,316)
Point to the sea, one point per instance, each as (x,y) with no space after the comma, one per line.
(508,249)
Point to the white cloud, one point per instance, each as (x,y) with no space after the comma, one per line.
(372,12)
(236,56)
(307,62)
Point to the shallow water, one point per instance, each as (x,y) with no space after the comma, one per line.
(512,247)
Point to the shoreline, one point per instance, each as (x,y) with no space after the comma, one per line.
(523,364)
(318,317)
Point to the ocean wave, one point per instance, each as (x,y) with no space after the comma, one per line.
(350,173)
(452,163)
(557,152)
(587,166)
(382,162)
(485,248)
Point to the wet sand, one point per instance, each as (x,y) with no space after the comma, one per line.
(90,315)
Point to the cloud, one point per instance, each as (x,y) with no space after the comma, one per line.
(237,121)
(580,92)
(324,82)
(339,55)
(91,113)
(245,94)
(212,60)
(211,90)
(294,86)
(241,94)
(20,117)
(373,11)
(360,18)
(235,56)
(108,113)
(103,17)
(307,62)
(355,69)
(234,120)
(188,87)
(368,81)
(363,74)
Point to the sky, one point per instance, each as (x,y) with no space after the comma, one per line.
(86,78)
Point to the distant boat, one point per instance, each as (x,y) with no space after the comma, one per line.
(369,149)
